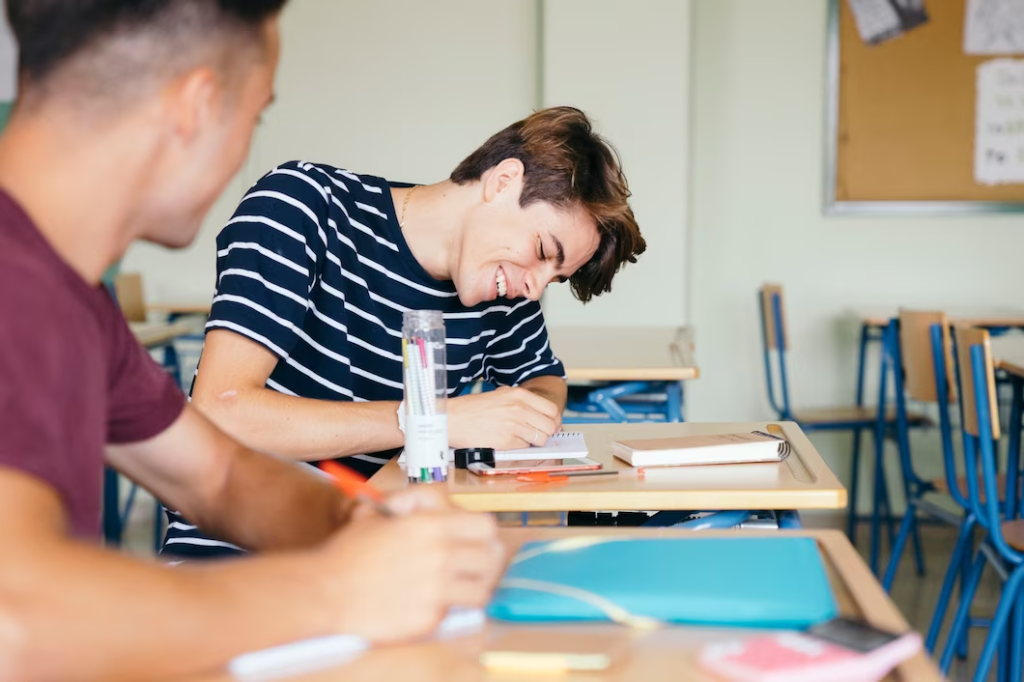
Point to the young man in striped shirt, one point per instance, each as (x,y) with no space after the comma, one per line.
(303,349)
(131,117)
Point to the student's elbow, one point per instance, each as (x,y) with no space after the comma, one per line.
(16,657)
(221,404)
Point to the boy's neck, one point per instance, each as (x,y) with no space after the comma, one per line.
(81,189)
(434,223)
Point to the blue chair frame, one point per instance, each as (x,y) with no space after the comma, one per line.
(919,489)
(1008,621)
(916,488)
(780,403)
(619,403)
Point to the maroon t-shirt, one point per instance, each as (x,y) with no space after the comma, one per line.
(72,376)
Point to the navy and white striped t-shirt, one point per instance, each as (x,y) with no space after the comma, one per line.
(314,267)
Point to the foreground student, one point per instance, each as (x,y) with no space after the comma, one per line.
(131,117)
(303,350)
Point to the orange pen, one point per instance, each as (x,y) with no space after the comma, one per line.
(549,477)
(355,486)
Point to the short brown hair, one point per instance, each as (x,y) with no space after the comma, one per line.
(122,42)
(566,162)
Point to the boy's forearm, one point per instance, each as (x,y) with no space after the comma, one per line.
(271,504)
(74,612)
(303,428)
(553,388)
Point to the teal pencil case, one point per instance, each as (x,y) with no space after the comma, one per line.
(741,582)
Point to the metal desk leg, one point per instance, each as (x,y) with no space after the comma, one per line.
(171,362)
(789,519)
(112,526)
(879,472)
(851,524)
(674,401)
(1013,453)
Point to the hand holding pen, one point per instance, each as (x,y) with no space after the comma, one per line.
(451,556)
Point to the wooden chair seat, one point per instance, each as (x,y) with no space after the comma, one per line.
(1013,533)
(853,415)
(942,487)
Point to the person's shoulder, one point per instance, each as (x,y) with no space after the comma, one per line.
(26,278)
(39,303)
(364,199)
(328,175)
(344,185)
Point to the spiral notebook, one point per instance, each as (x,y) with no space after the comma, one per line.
(562,445)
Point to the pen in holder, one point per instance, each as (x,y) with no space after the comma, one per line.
(426,396)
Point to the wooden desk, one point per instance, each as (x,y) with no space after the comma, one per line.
(157,334)
(802,481)
(194,308)
(624,353)
(1008,354)
(979,317)
(667,654)
(589,353)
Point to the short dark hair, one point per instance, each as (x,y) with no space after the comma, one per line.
(51,33)
(566,163)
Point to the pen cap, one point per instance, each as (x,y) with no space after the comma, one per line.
(466,456)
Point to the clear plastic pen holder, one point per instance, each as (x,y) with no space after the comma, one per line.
(426,396)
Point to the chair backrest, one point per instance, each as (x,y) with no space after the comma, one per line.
(128,288)
(968,337)
(980,424)
(774,327)
(774,342)
(918,358)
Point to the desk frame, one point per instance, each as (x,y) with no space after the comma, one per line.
(810,483)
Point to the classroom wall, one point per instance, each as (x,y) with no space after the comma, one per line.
(628,64)
(746,179)
(398,88)
(406,89)
(757,150)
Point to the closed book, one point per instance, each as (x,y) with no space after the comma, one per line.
(733,448)
(768,582)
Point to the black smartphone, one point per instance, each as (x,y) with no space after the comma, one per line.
(852,634)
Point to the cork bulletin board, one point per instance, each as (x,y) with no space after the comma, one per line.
(901,130)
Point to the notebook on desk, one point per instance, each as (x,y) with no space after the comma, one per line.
(747,582)
(732,448)
(562,445)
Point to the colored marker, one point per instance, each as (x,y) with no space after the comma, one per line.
(423,351)
(355,486)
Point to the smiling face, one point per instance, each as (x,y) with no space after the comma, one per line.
(508,251)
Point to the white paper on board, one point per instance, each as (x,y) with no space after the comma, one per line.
(8,59)
(994,27)
(876,20)
(881,20)
(999,122)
